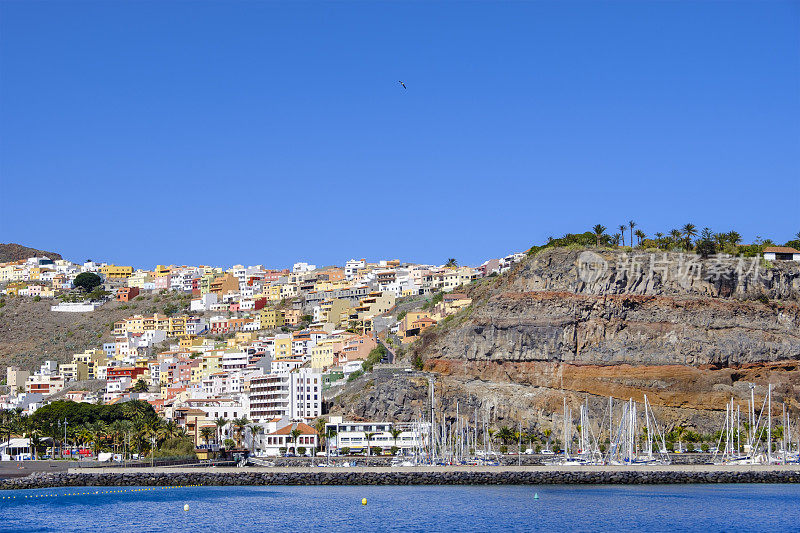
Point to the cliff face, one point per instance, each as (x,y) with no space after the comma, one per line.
(654,274)
(687,332)
(574,328)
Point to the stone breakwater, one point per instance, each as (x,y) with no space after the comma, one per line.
(410,476)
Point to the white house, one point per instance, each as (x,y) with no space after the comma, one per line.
(203,303)
(781,253)
(305,439)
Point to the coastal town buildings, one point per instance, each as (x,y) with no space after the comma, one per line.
(246,343)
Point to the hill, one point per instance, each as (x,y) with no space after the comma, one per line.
(30,333)
(591,324)
(15,252)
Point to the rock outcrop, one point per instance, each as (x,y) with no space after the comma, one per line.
(690,333)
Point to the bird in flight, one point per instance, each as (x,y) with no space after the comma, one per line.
(403,84)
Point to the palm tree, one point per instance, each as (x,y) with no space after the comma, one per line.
(368,435)
(319,425)
(451,263)
(255,431)
(632,225)
(221,423)
(689,231)
(621,229)
(547,433)
(395,433)
(239,425)
(676,236)
(734,237)
(640,235)
(615,239)
(598,230)
(206,433)
(505,434)
(659,239)
(295,434)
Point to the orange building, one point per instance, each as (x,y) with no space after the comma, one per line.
(126,294)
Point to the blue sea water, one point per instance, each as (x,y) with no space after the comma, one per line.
(406,508)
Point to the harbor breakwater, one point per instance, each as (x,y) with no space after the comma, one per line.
(672,474)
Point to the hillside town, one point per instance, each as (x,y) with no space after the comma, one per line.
(247,344)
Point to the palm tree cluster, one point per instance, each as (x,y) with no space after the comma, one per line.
(138,430)
(680,239)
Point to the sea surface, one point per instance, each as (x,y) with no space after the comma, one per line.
(405,508)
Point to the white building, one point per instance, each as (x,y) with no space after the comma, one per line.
(281,441)
(203,303)
(295,396)
(781,253)
(298,268)
(353,435)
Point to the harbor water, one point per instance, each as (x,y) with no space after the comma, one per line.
(744,507)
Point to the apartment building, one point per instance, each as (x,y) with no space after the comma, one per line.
(295,395)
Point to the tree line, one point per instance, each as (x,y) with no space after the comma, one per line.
(687,238)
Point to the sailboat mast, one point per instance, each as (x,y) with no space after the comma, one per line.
(769,418)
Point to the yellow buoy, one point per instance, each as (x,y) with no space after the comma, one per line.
(363,501)
(186,507)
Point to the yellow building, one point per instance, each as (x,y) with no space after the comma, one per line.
(273,292)
(92,359)
(283,346)
(116,272)
(177,326)
(139,279)
(322,354)
(271,318)
(210,364)
(73,372)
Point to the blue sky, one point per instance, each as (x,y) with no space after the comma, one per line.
(271,132)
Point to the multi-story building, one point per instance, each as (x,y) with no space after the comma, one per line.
(295,395)
(116,272)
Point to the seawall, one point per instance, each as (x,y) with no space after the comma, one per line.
(525,475)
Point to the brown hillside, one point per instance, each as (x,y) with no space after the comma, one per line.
(15,252)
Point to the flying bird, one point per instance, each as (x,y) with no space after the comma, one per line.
(403,84)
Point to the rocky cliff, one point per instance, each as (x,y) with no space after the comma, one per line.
(690,333)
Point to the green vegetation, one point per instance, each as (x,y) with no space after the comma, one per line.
(682,239)
(129,427)
(176,447)
(573,240)
(87,281)
(433,301)
(374,357)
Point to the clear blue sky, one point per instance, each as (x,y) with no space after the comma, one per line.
(265,132)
